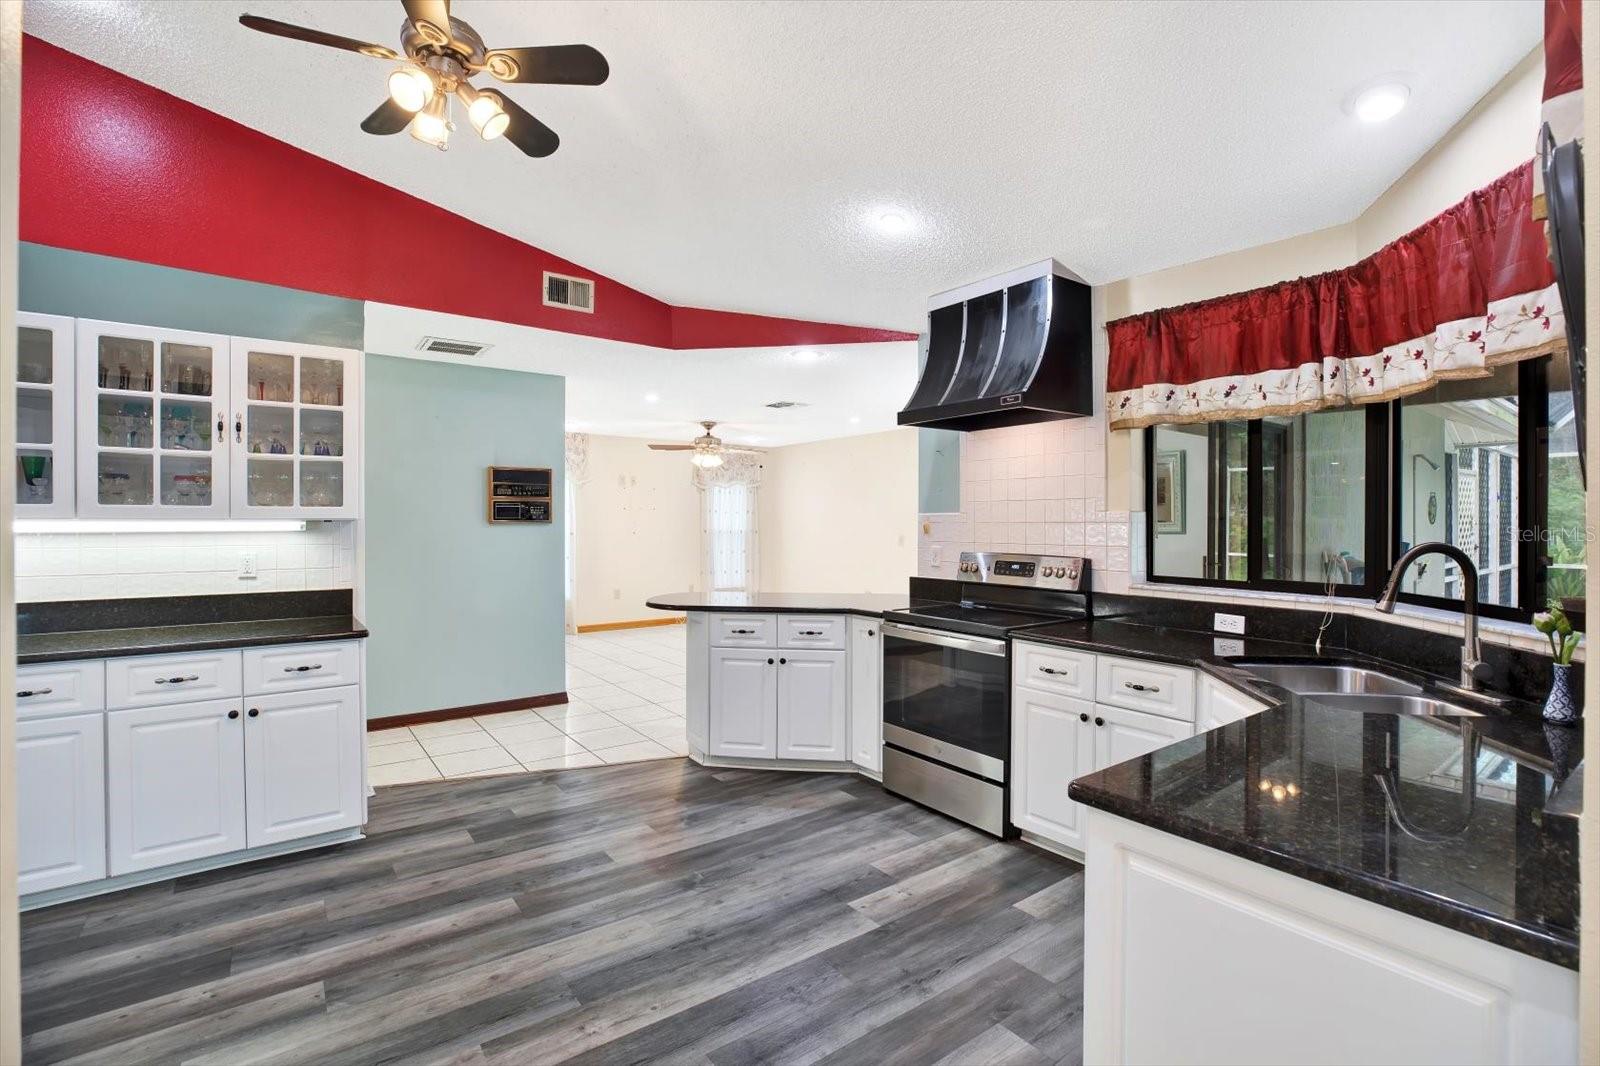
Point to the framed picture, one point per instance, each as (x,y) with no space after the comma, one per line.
(1169,517)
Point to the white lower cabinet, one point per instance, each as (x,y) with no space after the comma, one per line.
(866,695)
(1218,703)
(744,703)
(813,705)
(61,792)
(1052,742)
(1121,734)
(174,784)
(302,764)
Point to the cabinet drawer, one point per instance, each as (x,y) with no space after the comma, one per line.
(826,631)
(1048,669)
(60,688)
(152,680)
(744,631)
(301,666)
(1141,686)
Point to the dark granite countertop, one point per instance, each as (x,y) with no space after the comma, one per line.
(1496,867)
(872,604)
(159,640)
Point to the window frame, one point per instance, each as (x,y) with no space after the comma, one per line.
(1382,532)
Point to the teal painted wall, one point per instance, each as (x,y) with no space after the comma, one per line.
(461,612)
(55,281)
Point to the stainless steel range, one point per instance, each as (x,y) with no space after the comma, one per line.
(947,681)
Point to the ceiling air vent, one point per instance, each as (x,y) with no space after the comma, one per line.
(575,294)
(442,346)
(780,405)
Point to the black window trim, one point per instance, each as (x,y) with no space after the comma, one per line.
(1382,540)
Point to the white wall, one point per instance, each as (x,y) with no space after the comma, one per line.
(638,530)
(835,515)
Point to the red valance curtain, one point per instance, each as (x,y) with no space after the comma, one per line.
(1462,293)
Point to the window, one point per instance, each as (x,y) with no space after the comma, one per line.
(730,537)
(1279,502)
(1296,503)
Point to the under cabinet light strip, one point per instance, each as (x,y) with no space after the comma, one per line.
(69,525)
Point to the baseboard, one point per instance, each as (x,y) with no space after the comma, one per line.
(643,623)
(472,710)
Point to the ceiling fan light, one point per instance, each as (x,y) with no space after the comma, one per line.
(411,88)
(430,125)
(488,117)
(706,460)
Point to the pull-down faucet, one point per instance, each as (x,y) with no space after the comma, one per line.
(1474,671)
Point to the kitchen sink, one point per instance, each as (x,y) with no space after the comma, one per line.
(1427,706)
(1309,678)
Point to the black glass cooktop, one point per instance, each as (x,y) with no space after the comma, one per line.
(975,619)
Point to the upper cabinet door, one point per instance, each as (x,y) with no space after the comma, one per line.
(295,430)
(151,438)
(45,389)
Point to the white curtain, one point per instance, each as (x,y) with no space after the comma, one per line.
(730,543)
(577,469)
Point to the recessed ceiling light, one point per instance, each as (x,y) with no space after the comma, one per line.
(651,397)
(805,355)
(892,223)
(1381,102)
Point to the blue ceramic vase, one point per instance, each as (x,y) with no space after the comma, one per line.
(1561,706)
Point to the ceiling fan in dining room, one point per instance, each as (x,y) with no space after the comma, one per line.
(441,56)
(708,449)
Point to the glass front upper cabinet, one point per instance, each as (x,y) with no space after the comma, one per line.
(295,435)
(152,433)
(45,390)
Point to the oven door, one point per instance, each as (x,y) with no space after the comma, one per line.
(946,697)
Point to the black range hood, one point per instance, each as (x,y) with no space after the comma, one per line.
(1006,352)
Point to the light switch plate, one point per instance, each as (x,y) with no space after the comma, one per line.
(1229,623)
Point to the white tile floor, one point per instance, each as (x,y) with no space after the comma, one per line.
(626,704)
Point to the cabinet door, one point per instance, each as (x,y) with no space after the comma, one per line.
(866,695)
(1121,734)
(46,386)
(61,801)
(174,783)
(697,680)
(813,705)
(744,703)
(151,411)
(296,436)
(302,764)
(1052,742)
(1217,704)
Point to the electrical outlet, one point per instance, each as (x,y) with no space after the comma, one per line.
(1226,648)
(247,566)
(1229,623)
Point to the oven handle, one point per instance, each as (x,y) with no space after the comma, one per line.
(981,645)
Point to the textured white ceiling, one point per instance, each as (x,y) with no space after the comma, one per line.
(734,154)
(847,389)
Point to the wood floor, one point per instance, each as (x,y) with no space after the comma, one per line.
(656,911)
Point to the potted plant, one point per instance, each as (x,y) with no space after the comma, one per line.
(1562,703)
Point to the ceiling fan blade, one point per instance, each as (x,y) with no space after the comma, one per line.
(434,12)
(670,447)
(746,451)
(310,36)
(389,118)
(525,131)
(551,64)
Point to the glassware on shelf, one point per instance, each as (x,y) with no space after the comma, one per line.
(125,480)
(185,482)
(269,377)
(35,365)
(186,427)
(125,422)
(270,483)
(33,478)
(126,363)
(321,484)
(186,369)
(322,382)
(322,433)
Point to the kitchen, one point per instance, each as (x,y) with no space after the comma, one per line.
(1068,666)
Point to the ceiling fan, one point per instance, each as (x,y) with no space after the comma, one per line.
(441,56)
(708,449)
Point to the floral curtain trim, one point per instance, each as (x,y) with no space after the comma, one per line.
(1460,295)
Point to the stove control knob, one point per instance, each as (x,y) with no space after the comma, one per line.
(1073,573)
(1049,571)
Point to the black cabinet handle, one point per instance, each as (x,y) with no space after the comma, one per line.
(222,427)
(811,632)
(1083,717)
(25,693)
(238,428)
(176,680)
(1099,721)
(782,661)
(233,714)
(743,632)
(769,662)
(301,669)
(1052,671)
(255,712)
(1141,688)
(872,633)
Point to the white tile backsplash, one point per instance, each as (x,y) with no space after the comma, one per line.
(1038,489)
(83,566)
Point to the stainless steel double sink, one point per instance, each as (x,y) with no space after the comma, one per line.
(1355,688)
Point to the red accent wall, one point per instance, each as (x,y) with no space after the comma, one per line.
(114,166)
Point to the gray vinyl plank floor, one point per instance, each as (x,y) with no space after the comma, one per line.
(646,912)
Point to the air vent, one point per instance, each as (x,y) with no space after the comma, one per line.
(442,346)
(575,294)
(779,405)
